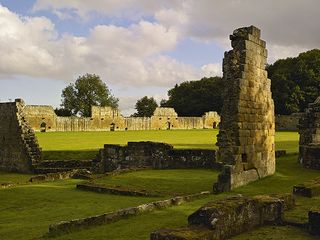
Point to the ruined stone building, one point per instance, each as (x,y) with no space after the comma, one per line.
(247,127)
(19,149)
(43,118)
(309,130)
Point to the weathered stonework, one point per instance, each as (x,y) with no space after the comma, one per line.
(229,217)
(43,118)
(19,147)
(309,130)
(308,189)
(247,128)
(153,155)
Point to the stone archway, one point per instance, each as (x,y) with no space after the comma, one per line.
(43,127)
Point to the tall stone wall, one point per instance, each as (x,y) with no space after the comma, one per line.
(211,120)
(19,148)
(309,130)
(43,118)
(137,123)
(247,128)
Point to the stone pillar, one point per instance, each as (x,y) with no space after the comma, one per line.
(309,130)
(247,127)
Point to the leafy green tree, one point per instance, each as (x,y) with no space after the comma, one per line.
(295,82)
(145,107)
(193,98)
(88,90)
(62,112)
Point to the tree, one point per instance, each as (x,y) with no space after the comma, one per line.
(295,82)
(145,107)
(62,112)
(194,98)
(88,90)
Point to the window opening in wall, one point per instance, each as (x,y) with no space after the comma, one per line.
(244,158)
(43,127)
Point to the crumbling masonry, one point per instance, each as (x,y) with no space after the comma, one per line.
(247,128)
(19,149)
(309,130)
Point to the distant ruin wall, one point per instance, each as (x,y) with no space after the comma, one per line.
(19,148)
(151,154)
(288,122)
(137,123)
(309,130)
(43,118)
(247,128)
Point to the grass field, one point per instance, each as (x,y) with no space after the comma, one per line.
(84,145)
(27,210)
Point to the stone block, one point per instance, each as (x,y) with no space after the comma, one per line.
(314,222)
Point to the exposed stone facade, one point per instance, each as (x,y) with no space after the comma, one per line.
(19,147)
(309,130)
(151,154)
(43,118)
(247,128)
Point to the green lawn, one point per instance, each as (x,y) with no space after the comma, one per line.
(15,178)
(164,182)
(84,145)
(27,210)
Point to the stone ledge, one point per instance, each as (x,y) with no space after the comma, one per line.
(80,174)
(308,189)
(106,218)
(228,217)
(113,190)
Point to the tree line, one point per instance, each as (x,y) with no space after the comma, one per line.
(295,82)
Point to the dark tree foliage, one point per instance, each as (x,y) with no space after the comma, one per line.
(193,98)
(145,107)
(62,112)
(88,90)
(295,82)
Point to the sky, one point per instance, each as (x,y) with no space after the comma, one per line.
(138,47)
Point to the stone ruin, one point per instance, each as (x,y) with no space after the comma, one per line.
(247,127)
(42,118)
(151,155)
(309,130)
(19,147)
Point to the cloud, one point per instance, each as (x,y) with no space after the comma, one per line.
(129,9)
(286,24)
(130,55)
(212,70)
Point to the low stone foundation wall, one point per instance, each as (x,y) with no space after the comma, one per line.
(308,189)
(78,224)
(151,154)
(111,190)
(80,174)
(225,218)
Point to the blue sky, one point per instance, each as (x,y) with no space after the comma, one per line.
(138,47)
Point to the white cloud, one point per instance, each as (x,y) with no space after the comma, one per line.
(286,24)
(212,70)
(127,56)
